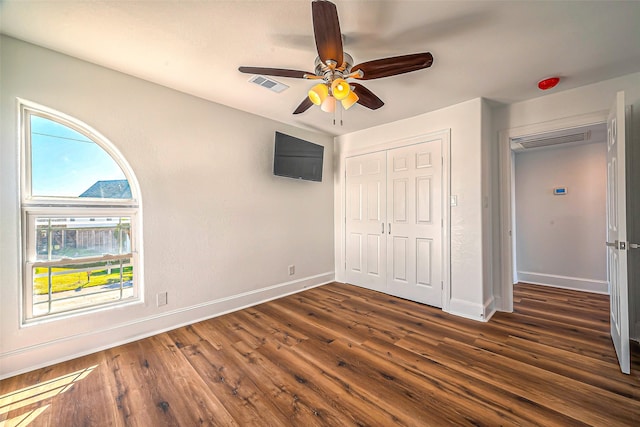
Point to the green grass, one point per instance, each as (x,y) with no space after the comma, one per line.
(72,281)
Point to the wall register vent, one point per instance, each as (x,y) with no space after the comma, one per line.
(268,83)
(547,140)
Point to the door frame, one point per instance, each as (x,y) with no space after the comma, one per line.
(504,298)
(341,214)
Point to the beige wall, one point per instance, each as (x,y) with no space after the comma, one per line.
(560,238)
(205,171)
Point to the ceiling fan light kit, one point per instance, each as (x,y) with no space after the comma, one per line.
(340,89)
(334,67)
(350,100)
(318,93)
(328,105)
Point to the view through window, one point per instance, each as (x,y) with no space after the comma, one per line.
(80,218)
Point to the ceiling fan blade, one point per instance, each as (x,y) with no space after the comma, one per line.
(366,97)
(326,29)
(395,65)
(304,106)
(280,72)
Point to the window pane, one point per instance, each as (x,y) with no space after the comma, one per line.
(81,237)
(78,253)
(72,286)
(65,163)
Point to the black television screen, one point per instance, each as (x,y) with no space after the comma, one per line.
(297,158)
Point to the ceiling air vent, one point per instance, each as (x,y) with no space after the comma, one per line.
(519,144)
(269,83)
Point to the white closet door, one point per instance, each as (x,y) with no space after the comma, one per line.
(365,221)
(414,222)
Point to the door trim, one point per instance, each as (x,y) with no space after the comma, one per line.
(340,234)
(504,298)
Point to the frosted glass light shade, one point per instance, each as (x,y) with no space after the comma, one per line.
(318,93)
(329,104)
(340,89)
(351,99)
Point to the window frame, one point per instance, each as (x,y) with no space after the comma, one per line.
(33,207)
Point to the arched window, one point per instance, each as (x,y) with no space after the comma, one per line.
(80,216)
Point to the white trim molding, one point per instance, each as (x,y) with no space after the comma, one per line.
(466,309)
(489,309)
(507,222)
(564,282)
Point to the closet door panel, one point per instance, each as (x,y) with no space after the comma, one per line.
(394,222)
(415,207)
(399,259)
(366,258)
(399,201)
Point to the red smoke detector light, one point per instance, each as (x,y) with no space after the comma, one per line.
(548,83)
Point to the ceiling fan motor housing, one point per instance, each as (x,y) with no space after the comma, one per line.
(331,71)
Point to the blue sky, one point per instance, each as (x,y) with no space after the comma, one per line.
(65,162)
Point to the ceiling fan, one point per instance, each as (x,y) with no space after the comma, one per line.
(334,66)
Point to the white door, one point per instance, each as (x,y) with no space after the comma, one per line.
(617,232)
(414,222)
(366,185)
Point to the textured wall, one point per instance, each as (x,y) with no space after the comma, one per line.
(560,238)
(219,229)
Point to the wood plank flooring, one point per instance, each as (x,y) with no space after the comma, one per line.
(339,355)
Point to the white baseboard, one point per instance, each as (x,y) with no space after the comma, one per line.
(48,353)
(489,309)
(497,303)
(565,282)
(467,309)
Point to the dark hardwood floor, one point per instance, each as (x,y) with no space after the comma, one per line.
(339,355)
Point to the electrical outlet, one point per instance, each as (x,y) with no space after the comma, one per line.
(292,270)
(161,299)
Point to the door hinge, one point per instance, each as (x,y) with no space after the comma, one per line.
(634,246)
(442,286)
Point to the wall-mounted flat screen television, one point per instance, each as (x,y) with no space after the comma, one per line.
(297,158)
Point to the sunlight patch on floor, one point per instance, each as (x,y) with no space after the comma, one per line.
(26,398)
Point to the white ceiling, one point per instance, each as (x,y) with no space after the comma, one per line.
(492,49)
